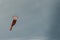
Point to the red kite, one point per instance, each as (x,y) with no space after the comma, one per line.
(13,22)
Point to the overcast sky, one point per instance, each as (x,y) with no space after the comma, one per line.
(38,19)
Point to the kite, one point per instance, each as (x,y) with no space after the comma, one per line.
(13,22)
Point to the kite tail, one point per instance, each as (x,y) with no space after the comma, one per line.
(11,28)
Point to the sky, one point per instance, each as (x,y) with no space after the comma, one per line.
(38,19)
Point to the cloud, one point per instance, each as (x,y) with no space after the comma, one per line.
(35,22)
(27,38)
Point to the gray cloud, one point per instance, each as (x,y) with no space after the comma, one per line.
(37,19)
